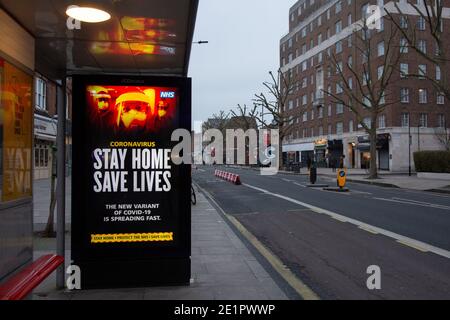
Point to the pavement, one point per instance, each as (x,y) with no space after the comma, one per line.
(224,265)
(328,240)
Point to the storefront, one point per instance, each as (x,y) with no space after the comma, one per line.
(320,150)
(383,155)
(298,153)
(335,152)
(44,141)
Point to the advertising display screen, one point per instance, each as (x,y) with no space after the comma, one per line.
(130,203)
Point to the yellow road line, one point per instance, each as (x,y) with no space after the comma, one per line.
(412,246)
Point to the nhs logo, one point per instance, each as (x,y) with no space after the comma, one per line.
(167,94)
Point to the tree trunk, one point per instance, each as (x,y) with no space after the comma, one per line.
(373,154)
(49,229)
(280,154)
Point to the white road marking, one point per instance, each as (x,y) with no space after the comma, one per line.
(287,180)
(359,192)
(414,203)
(300,185)
(410,241)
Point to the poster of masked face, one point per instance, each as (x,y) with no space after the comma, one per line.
(132,109)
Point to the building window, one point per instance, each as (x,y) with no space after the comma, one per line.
(319,21)
(440,98)
(305,100)
(328,14)
(405,120)
(311,44)
(350,83)
(339,108)
(381,25)
(338,27)
(380,49)
(329,110)
(320,112)
(422,71)
(303,32)
(290,43)
(380,71)
(330,91)
(382,121)
(339,67)
(350,126)
(304,48)
(349,19)
(291,104)
(320,131)
(422,46)
(329,129)
(403,22)
(404,95)
(41,94)
(319,39)
(338,7)
(339,47)
(304,65)
(438,73)
(339,128)
(422,95)
(365,78)
(404,70)
(339,88)
(441,120)
(290,58)
(350,61)
(304,82)
(403,45)
(312,114)
(305,116)
(349,41)
(421,24)
(423,120)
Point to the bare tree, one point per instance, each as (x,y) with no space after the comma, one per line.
(275,104)
(245,116)
(443,136)
(217,121)
(372,75)
(431,13)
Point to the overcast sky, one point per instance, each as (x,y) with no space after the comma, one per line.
(243,47)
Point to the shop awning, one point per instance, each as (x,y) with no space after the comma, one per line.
(142,37)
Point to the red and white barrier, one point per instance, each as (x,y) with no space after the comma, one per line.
(228,176)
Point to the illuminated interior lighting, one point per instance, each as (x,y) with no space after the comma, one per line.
(87,14)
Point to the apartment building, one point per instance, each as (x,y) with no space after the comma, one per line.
(415,113)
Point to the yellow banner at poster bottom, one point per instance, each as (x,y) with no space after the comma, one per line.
(132,237)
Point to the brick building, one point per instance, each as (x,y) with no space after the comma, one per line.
(46,123)
(319,29)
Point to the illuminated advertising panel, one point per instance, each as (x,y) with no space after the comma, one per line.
(130,203)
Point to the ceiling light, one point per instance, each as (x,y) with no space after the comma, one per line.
(87,14)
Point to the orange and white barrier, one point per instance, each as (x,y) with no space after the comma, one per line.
(228,176)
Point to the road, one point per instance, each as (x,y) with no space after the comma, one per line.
(329,239)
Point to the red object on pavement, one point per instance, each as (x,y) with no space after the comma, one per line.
(228,176)
(21,285)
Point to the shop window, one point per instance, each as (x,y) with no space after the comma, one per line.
(16,132)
